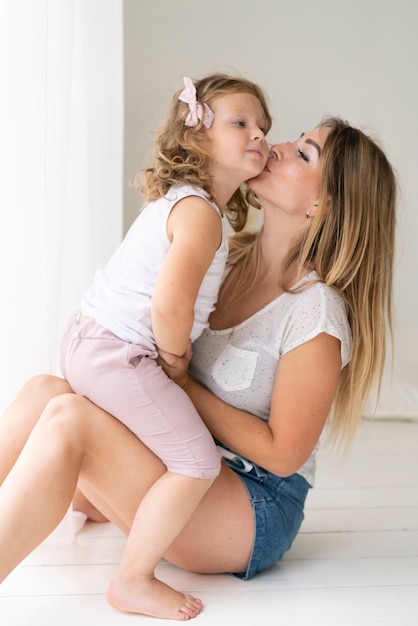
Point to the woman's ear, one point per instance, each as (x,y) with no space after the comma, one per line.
(313,210)
(328,206)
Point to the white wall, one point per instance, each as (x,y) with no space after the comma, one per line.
(353,58)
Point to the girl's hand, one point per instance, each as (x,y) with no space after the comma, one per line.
(176,367)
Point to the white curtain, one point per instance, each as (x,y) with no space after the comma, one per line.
(61,162)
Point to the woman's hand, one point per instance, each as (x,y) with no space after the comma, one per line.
(176,367)
(306,380)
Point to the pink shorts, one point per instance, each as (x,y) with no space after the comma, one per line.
(126,381)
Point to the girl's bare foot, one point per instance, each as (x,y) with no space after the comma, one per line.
(150,596)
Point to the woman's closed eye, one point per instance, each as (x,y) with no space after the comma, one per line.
(303,155)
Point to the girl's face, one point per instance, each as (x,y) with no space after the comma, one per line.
(237,141)
(292,176)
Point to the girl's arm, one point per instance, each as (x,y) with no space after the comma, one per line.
(305,384)
(195,231)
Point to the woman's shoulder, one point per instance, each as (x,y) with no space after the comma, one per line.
(313,290)
(316,308)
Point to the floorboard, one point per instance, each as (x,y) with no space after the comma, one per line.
(354,563)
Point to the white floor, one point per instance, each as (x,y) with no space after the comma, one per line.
(355,561)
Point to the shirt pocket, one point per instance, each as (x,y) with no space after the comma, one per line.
(234,368)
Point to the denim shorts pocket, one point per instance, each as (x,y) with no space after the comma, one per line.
(234,368)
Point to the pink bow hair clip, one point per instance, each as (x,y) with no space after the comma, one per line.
(188,95)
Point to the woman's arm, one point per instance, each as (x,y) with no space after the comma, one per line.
(305,384)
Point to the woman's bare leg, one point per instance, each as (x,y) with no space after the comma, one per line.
(219,535)
(37,492)
(82,505)
(39,488)
(20,417)
(18,421)
(120,471)
(74,438)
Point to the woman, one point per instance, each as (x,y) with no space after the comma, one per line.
(298,335)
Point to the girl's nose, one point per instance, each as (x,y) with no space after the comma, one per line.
(258,134)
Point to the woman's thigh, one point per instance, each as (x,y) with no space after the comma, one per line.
(118,470)
(220,534)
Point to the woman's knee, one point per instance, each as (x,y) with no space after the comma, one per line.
(66,405)
(27,407)
(75,415)
(63,422)
(64,411)
(43,387)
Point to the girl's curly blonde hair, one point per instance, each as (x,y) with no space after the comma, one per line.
(182,153)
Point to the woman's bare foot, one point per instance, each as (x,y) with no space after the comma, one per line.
(150,596)
(82,505)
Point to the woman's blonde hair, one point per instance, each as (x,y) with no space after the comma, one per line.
(350,243)
(182,153)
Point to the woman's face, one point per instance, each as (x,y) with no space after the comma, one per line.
(292,176)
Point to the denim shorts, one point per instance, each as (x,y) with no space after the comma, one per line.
(278,505)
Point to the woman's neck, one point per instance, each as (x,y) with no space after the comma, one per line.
(231,310)
(278,241)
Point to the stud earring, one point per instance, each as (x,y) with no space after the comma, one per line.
(308,213)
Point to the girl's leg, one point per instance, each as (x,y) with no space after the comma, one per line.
(20,417)
(135,389)
(161,515)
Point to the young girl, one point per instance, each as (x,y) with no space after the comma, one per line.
(156,294)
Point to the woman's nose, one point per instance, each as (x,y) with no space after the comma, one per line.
(274,151)
(280,150)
